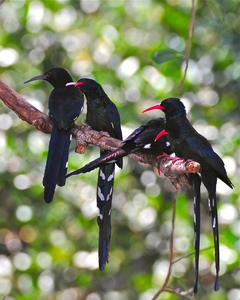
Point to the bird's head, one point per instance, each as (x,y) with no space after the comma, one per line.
(88,86)
(172,107)
(58,77)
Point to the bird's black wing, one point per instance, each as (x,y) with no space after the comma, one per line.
(130,143)
(65,105)
(134,134)
(147,136)
(114,119)
(202,148)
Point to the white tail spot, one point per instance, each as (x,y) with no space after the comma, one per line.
(111,177)
(209,204)
(214,222)
(102,175)
(109,195)
(100,194)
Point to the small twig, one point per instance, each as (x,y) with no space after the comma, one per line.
(186,294)
(189,44)
(171,252)
(190,254)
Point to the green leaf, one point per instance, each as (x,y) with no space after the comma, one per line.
(165,55)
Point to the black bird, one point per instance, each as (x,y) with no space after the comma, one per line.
(189,144)
(143,139)
(102,115)
(65,105)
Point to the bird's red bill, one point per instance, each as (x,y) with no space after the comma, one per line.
(78,83)
(158,171)
(157,106)
(160,134)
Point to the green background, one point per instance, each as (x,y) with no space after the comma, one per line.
(49,251)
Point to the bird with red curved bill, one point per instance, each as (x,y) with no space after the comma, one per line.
(146,139)
(65,105)
(189,144)
(102,115)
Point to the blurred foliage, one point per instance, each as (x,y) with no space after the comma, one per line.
(50,251)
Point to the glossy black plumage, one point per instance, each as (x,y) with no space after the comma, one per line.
(65,105)
(196,183)
(102,115)
(104,203)
(189,144)
(140,140)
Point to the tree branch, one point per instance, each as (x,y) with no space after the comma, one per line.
(24,110)
(183,294)
(173,168)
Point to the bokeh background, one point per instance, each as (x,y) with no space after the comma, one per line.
(50,251)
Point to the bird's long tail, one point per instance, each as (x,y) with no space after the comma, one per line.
(56,165)
(104,203)
(102,160)
(197,222)
(210,181)
(213,211)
